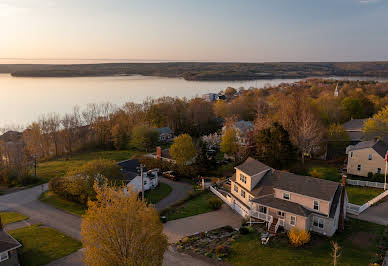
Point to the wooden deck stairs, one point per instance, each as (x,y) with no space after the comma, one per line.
(272,227)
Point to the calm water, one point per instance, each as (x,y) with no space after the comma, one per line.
(22,100)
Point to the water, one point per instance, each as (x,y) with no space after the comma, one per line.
(23,100)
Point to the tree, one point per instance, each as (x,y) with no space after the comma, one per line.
(103,167)
(338,135)
(335,252)
(144,138)
(183,150)
(274,145)
(71,124)
(377,126)
(230,91)
(120,229)
(229,143)
(53,124)
(353,108)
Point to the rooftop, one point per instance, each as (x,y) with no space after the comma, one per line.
(7,242)
(165,130)
(379,146)
(252,167)
(354,124)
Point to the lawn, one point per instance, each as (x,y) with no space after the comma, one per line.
(42,245)
(156,195)
(360,195)
(195,205)
(52,199)
(358,247)
(47,170)
(11,217)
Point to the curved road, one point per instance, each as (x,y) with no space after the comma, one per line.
(27,202)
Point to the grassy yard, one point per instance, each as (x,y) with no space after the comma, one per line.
(66,205)
(360,195)
(42,245)
(11,217)
(156,195)
(358,246)
(196,205)
(47,170)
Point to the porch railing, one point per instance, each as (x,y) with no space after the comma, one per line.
(279,223)
(262,216)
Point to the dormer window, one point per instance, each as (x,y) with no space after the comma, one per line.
(243,178)
(351,154)
(242,193)
(286,196)
(316,205)
(370,157)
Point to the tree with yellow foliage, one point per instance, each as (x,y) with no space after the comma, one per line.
(120,229)
(377,126)
(297,237)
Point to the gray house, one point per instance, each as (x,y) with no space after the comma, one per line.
(8,248)
(165,134)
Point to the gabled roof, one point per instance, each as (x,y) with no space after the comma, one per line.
(379,146)
(356,135)
(244,125)
(165,130)
(129,168)
(7,242)
(252,167)
(354,124)
(283,205)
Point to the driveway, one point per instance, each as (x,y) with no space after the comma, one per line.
(180,228)
(376,214)
(179,191)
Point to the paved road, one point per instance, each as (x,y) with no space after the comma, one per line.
(376,214)
(179,191)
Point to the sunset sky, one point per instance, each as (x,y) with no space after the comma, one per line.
(252,31)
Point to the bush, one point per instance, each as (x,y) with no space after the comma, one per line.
(297,237)
(215,203)
(222,250)
(244,230)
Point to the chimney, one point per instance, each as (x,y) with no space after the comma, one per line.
(341,221)
(344,180)
(158,152)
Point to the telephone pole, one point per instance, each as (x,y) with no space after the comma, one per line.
(141,168)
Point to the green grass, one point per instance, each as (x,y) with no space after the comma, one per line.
(195,205)
(156,195)
(54,200)
(325,172)
(11,217)
(42,245)
(358,247)
(360,195)
(53,168)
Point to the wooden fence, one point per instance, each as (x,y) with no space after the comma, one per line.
(357,209)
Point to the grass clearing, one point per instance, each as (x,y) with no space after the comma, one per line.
(360,195)
(358,247)
(42,245)
(155,195)
(195,205)
(53,168)
(54,200)
(12,217)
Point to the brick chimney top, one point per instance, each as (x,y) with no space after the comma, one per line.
(159,152)
(344,180)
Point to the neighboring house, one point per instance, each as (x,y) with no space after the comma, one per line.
(8,248)
(210,97)
(163,154)
(365,157)
(131,173)
(354,128)
(288,200)
(244,132)
(165,134)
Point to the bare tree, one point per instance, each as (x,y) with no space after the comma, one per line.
(53,125)
(335,252)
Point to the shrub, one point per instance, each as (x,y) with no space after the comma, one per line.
(222,250)
(228,228)
(370,175)
(297,237)
(215,203)
(244,230)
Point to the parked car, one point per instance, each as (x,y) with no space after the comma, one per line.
(170,175)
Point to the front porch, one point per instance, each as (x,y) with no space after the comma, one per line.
(273,219)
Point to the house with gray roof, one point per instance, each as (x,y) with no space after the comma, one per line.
(244,132)
(165,134)
(283,199)
(366,157)
(354,128)
(8,248)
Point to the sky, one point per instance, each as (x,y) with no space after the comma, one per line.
(197,30)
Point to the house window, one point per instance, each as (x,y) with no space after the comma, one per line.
(293,220)
(4,256)
(280,213)
(145,182)
(359,167)
(263,209)
(235,188)
(379,170)
(286,196)
(351,154)
(316,205)
(243,178)
(370,157)
(250,198)
(242,193)
(318,222)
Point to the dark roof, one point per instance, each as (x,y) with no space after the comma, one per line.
(7,242)
(283,205)
(252,166)
(356,135)
(129,168)
(244,125)
(165,130)
(379,146)
(354,124)
(336,199)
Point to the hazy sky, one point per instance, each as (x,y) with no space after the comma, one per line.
(211,30)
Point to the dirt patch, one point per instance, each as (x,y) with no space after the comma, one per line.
(363,239)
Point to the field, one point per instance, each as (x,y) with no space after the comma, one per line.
(11,217)
(52,199)
(156,195)
(360,195)
(358,247)
(42,245)
(53,168)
